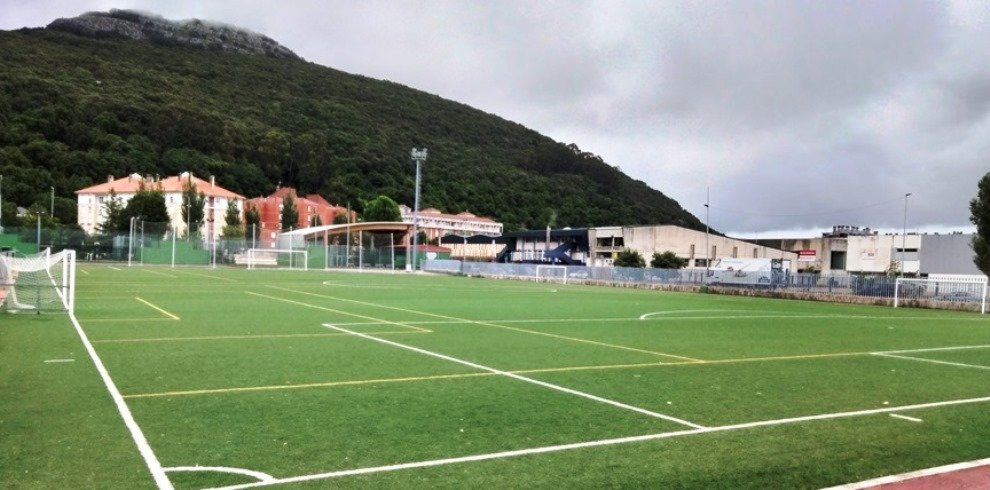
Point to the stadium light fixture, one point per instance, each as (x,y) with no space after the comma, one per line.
(418,156)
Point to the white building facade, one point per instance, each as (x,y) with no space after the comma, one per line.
(92,201)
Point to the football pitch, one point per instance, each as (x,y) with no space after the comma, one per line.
(237,378)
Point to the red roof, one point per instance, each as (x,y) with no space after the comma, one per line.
(132,183)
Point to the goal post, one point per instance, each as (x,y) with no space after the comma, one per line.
(280,258)
(40,282)
(552,273)
(946,288)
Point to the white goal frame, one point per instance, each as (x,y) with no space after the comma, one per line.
(54,281)
(562,278)
(943,287)
(268,257)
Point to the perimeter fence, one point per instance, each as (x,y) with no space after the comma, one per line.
(836,286)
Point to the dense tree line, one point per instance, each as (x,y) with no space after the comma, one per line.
(75,110)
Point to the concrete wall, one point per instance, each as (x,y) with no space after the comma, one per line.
(947,254)
(691,245)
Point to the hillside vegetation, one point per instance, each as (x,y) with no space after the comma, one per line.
(74,110)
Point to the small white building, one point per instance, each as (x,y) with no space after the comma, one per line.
(92,200)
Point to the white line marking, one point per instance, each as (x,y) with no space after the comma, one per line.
(933,361)
(49,361)
(114,268)
(520,378)
(905,417)
(265,477)
(912,475)
(157,308)
(935,349)
(675,312)
(161,479)
(603,442)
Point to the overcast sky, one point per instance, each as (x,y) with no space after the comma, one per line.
(797,115)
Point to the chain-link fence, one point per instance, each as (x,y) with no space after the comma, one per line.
(160,244)
(840,286)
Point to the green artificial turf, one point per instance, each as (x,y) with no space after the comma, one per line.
(256,370)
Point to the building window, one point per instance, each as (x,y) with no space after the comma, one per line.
(735,252)
(692,251)
(756,253)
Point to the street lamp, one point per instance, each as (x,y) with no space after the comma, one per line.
(904,236)
(1,203)
(418,156)
(52,213)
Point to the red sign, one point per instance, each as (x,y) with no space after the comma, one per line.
(807,255)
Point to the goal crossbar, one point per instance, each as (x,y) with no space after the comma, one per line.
(277,257)
(552,273)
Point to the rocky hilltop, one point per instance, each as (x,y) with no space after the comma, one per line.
(129,24)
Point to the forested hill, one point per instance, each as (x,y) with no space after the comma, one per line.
(74,110)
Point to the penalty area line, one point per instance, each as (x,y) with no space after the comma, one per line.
(599,443)
(518,377)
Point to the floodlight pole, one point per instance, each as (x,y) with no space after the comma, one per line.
(904,236)
(418,156)
(53,202)
(1,203)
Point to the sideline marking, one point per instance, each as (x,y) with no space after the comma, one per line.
(157,308)
(495,325)
(604,442)
(522,378)
(242,337)
(50,361)
(154,466)
(876,482)
(933,361)
(306,385)
(264,477)
(905,417)
(114,268)
(935,349)
(324,308)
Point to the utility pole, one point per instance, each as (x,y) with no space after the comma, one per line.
(708,250)
(904,236)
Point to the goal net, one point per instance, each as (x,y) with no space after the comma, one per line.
(552,273)
(41,282)
(943,288)
(277,258)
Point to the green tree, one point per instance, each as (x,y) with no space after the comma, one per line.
(290,215)
(252,222)
(381,208)
(149,206)
(233,228)
(667,260)
(340,219)
(979,207)
(193,204)
(629,258)
(115,220)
